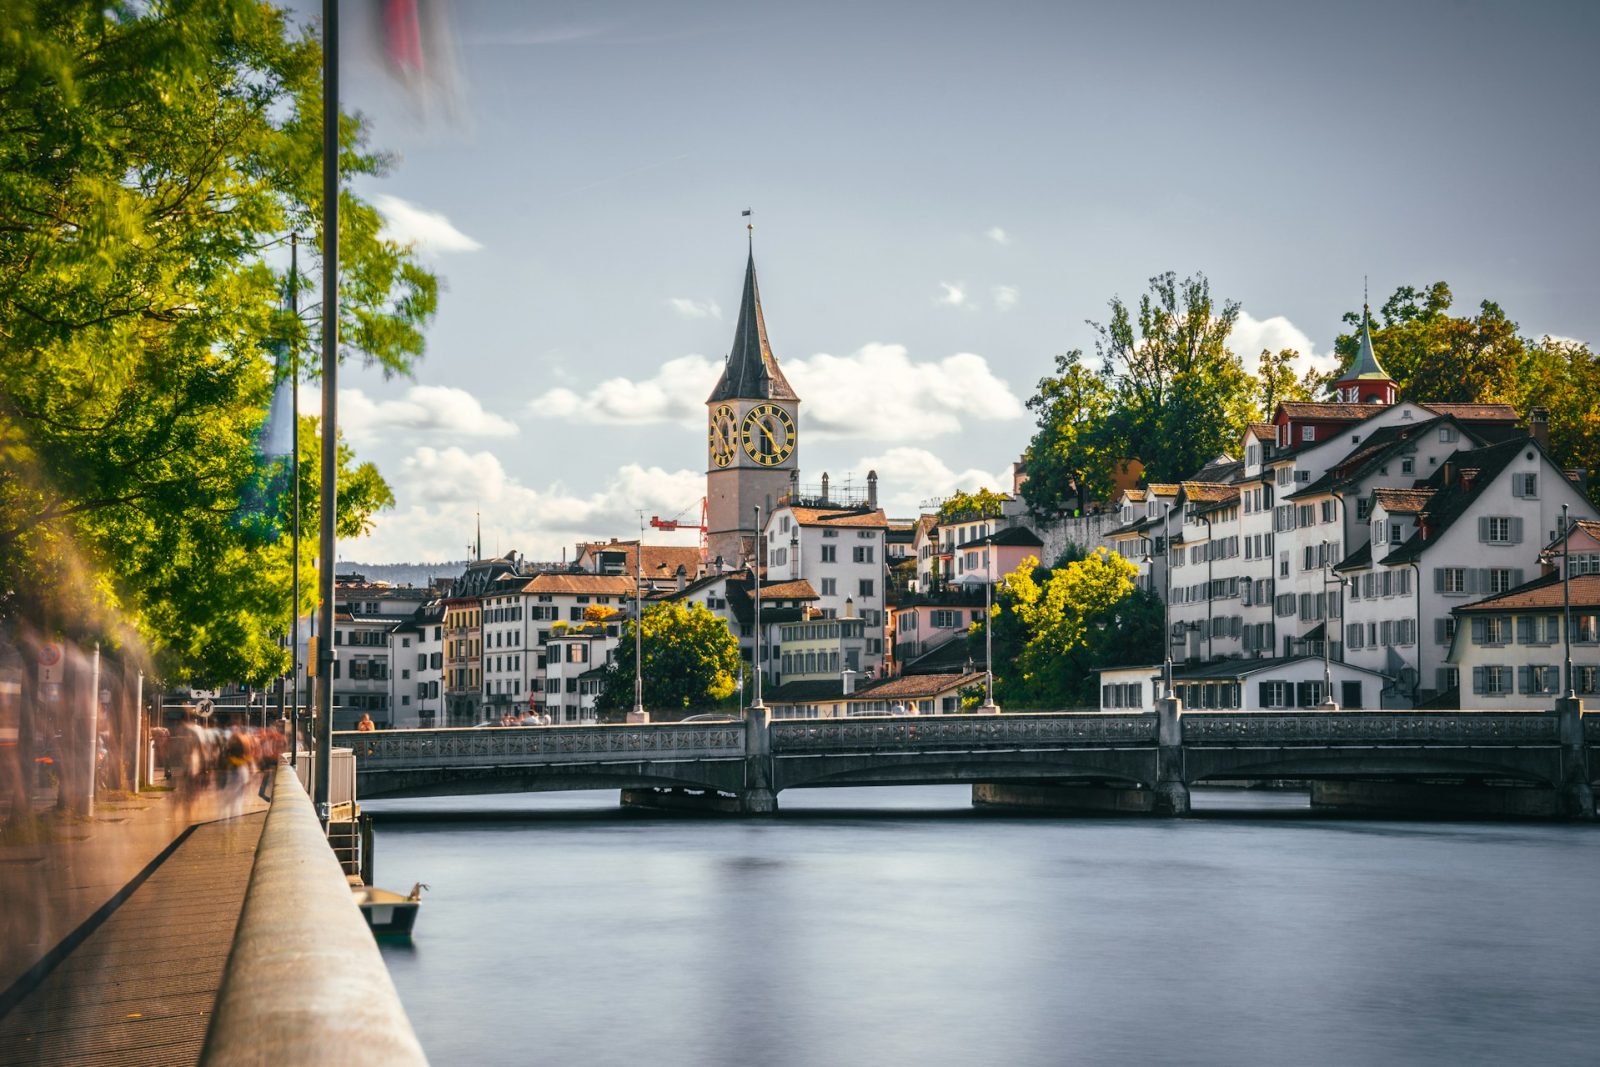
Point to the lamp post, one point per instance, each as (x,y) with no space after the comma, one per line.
(755,654)
(638,714)
(1328,703)
(989,706)
(1566,602)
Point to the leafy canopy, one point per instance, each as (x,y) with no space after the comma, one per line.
(154,158)
(691,660)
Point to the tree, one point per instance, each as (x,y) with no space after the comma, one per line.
(1276,381)
(983,504)
(1433,355)
(1182,397)
(1072,455)
(1054,628)
(1563,377)
(691,660)
(154,158)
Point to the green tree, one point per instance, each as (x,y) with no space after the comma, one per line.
(1563,376)
(154,158)
(1434,355)
(982,504)
(1182,397)
(1054,628)
(1073,453)
(1276,381)
(691,660)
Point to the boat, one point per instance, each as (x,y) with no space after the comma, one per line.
(388,914)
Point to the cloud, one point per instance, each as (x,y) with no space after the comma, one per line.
(877,391)
(909,478)
(1250,335)
(677,393)
(954,295)
(997,235)
(441,491)
(407,224)
(424,409)
(694,309)
(1005,297)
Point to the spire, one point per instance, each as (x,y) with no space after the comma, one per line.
(752,370)
(478,550)
(1366,364)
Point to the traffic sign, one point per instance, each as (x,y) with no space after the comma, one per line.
(50,655)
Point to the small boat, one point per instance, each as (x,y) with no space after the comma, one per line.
(388,914)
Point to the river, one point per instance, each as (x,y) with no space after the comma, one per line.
(898,926)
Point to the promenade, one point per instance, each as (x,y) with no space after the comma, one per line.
(117,928)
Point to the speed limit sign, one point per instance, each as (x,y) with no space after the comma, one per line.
(49,656)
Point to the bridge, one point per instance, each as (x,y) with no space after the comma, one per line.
(1537,762)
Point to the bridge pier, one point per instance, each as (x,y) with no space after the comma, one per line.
(758,797)
(704,802)
(1172,789)
(1575,795)
(1421,798)
(1054,797)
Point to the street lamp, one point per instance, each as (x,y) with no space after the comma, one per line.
(1566,601)
(1166,609)
(989,706)
(1328,703)
(638,714)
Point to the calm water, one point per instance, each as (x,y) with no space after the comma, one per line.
(897,926)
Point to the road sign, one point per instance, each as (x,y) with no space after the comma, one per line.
(50,655)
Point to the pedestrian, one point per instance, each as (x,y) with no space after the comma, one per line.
(366,725)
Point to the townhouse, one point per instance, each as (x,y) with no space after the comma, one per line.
(416,668)
(842,553)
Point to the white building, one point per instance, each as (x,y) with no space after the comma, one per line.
(842,553)
(575,662)
(1285,683)
(416,669)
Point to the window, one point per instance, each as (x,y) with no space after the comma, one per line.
(1452,579)
(1491,681)
(1327,511)
(1396,534)
(1277,695)
(1408,465)
(1585,563)
(1308,433)
(830,587)
(1447,434)
(1499,579)
(1500,530)
(830,553)
(1525,485)
(946,620)
(861,554)
(1307,515)
(865,587)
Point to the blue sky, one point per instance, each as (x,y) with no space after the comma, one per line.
(943,193)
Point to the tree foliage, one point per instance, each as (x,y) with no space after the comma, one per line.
(1276,381)
(982,504)
(1074,450)
(691,660)
(1054,628)
(154,158)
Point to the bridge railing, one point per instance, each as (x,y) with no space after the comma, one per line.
(545,744)
(1291,728)
(961,732)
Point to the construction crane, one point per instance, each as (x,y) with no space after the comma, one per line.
(677,523)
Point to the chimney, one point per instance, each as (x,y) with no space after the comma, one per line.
(794,485)
(794,553)
(683,578)
(1447,474)
(848,677)
(872,489)
(824,488)
(1539,426)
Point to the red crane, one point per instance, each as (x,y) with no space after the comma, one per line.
(677,523)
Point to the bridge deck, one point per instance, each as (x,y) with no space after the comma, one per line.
(139,989)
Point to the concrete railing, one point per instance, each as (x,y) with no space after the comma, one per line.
(305,983)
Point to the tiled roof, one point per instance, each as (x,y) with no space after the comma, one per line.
(1372,452)
(1135,496)
(1402,501)
(915,686)
(1544,593)
(1210,492)
(602,584)
(1163,488)
(1304,409)
(1011,535)
(658,559)
(1264,430)
(862,517)
(797,589)
(1475,412)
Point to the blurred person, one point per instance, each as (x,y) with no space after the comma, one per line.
(366,725)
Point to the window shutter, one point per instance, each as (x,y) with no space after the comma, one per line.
(1302,694)
(1438,631)
(1438,579)
(1266,694)
(1480,631)
(1516,529)
(1525,679)
(1472,579)
(1525,629)
(1477,675)
(1516,573)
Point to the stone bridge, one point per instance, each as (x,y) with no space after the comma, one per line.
(1506,762)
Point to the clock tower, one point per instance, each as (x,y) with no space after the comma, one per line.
(752,435)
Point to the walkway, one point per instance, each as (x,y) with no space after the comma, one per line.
(139,987)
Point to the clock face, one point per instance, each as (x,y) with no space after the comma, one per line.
(724,432)
(768,434)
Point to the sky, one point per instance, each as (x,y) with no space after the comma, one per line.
(944,195)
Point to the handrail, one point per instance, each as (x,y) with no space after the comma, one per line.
(305,983)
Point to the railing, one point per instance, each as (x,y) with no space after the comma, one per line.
(942,732)
(341,777)
(547,744)
(1377,727)
(304,982)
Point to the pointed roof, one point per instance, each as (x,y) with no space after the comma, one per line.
(751,372)
(1366,365)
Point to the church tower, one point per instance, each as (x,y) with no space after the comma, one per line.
(753,433)
(1365,382)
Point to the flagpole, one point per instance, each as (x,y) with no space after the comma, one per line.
(330,399)
(294,476)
